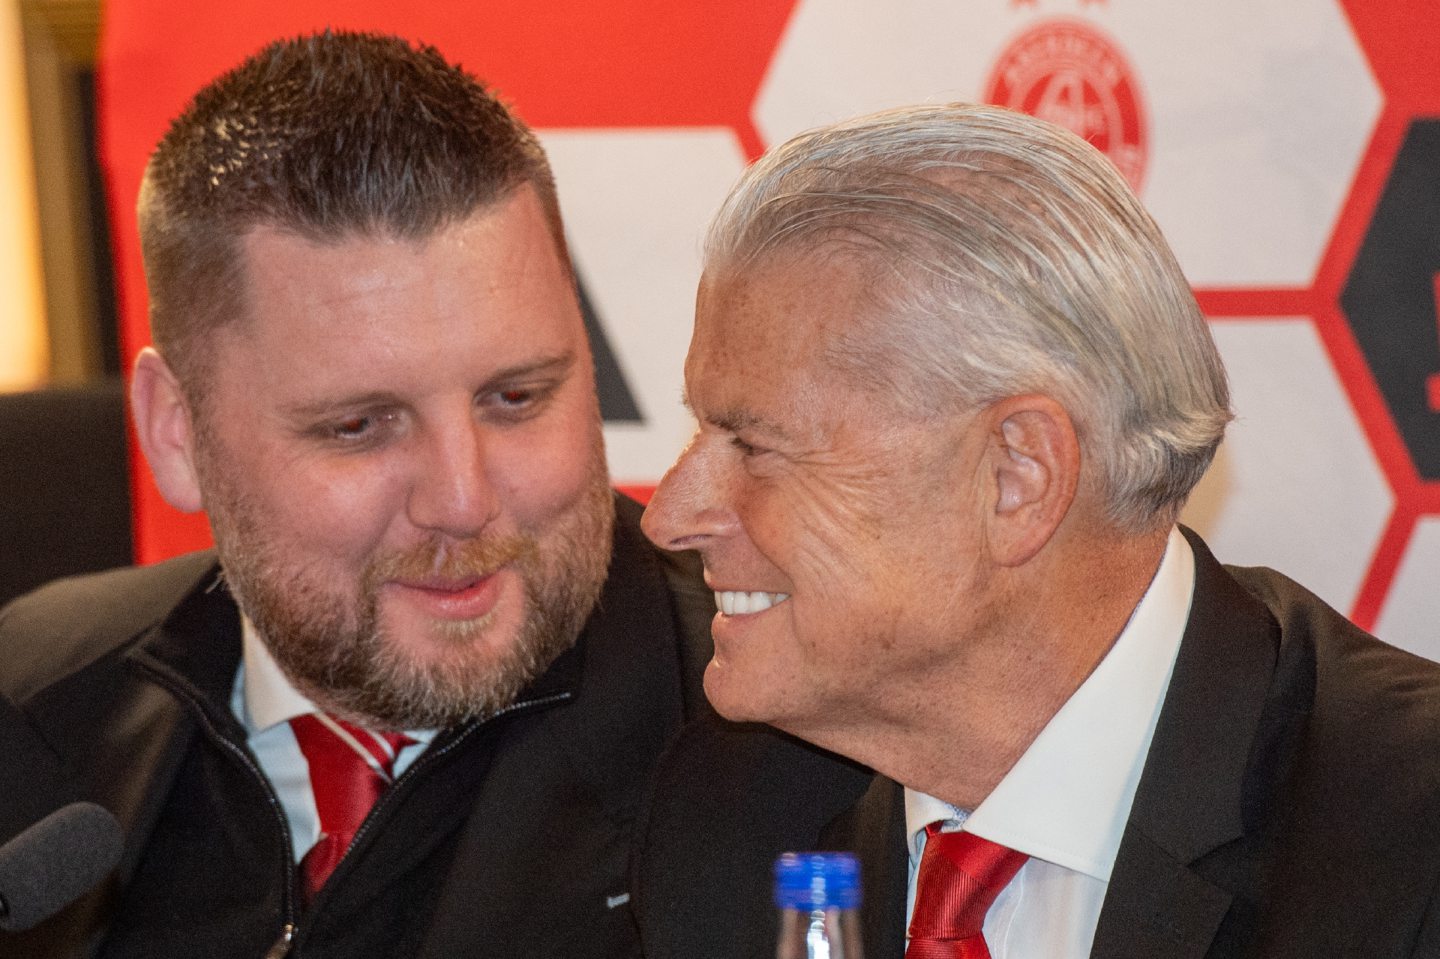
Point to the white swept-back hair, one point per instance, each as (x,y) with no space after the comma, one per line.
(1006,256)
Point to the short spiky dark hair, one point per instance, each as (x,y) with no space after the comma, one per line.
(328,136)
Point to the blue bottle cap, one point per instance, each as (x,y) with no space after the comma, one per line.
(817,880)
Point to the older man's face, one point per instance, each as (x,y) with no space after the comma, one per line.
(837,530)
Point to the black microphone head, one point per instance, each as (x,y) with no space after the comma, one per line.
(55,862)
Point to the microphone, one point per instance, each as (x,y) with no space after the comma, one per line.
(55,862)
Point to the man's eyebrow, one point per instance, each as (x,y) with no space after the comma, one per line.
(556,365)
(319,409)
(736,419)
(544,366)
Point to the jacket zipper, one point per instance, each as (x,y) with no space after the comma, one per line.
(281,948)
(180,687)
(390,796)
(290,931)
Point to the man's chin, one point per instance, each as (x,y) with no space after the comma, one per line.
(427,639)
(438,671)
(735,697)
(452,642)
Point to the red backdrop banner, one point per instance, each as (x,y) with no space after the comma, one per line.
(1285,148)
(562,63)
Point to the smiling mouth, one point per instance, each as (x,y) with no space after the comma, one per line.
(443,585)
(737,602)
(444,597)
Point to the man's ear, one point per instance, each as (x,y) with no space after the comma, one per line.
(1035,456)
(166,430)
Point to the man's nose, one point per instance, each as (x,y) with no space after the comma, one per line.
(452,491)
(690,508)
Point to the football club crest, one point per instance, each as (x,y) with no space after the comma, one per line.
(1068,72)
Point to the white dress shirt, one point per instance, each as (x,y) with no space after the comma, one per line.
(265,702)
(1066,800)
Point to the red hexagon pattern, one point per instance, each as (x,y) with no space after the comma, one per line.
(1399,40)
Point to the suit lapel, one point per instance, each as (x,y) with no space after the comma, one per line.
(1192,793)
(732,797)
(1157,906)
(874,829)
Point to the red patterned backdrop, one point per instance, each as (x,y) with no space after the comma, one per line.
(1288,148)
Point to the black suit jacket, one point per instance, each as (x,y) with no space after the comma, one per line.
(1289,805)
(518,834)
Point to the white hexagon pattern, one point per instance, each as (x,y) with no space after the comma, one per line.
(1258,109)
(636,203)
(1246,186)
(1295,485)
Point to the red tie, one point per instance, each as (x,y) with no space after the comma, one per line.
(959,877)
(349,768)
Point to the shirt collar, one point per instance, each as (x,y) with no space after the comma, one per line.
(1067,798)
(264,698)
(264,693)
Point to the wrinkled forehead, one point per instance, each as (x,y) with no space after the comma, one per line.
(802,323)
(759,325)
(856,315)
(810,293)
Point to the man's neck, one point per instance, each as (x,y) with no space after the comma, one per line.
(957,731)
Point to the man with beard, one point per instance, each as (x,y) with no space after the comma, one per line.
(409,707)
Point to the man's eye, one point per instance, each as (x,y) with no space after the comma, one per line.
(515,403)
(352,427)
(745,448)
(515,397)
(361,428)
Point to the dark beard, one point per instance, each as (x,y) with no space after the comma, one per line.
(341,659)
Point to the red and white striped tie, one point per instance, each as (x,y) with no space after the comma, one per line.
(349,768)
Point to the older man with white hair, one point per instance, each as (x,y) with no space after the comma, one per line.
(953,390)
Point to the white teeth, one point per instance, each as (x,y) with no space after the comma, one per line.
(737,603)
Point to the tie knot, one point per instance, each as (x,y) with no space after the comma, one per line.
(959,877)
(333,743)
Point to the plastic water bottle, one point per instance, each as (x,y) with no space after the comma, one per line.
(818,894)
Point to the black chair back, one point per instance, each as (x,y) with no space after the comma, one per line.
(64,484)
